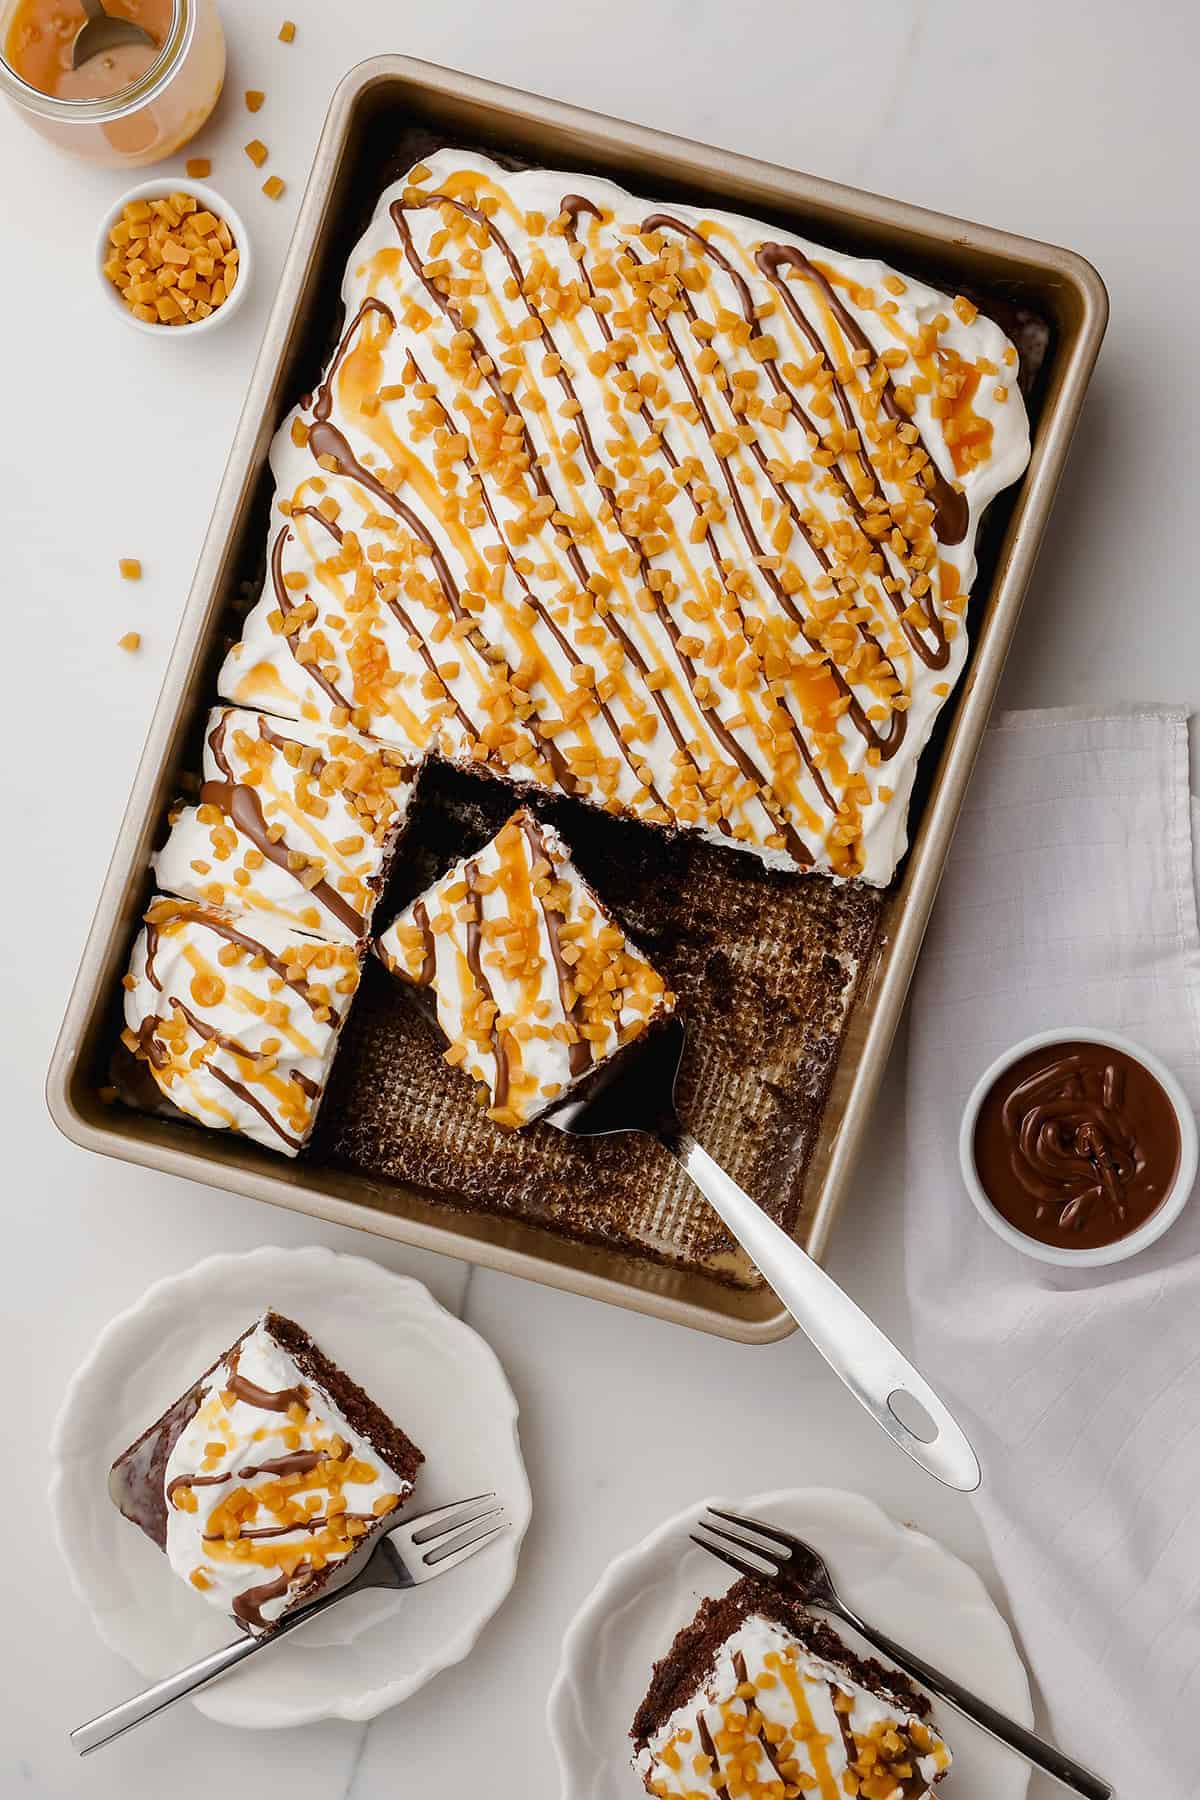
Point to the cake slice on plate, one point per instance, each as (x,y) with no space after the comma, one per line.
(266,1475)
(759,1699)
(534,983)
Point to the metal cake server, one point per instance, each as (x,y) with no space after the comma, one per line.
(414,1552)
(797,1568)
(103,31)
(636,1092)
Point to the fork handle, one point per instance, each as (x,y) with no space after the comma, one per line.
(853,1346)
(119,1719)
(1026,1743)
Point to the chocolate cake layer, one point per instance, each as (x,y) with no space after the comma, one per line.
(267,1475)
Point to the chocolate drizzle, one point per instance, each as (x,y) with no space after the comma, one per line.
(579,1051)
(475,964)
(242,806)
(248,1605)
(265,1399)
(428,946)
(951,513)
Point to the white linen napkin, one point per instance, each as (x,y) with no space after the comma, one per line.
(1070,899)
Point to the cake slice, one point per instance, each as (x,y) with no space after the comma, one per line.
(534,983)
(293,820)
(236,1020)
(266,1475)
(759,1697)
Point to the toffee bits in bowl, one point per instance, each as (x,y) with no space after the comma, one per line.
(173,257)
(1078,1147)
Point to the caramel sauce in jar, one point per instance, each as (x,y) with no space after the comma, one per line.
(133,105)
(40,35)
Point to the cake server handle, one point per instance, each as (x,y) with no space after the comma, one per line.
(868,1362)
(119,1719)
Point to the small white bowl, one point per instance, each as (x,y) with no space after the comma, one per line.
(216,203)
(1159,1221)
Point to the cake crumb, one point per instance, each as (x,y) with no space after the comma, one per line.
(254,99)
(257,151)
(131,568)
(287,32)
(199,168)
(273,186)
(131,641)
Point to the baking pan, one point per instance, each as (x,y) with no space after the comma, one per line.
(395,100)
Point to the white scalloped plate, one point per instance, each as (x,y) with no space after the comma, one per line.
(894,1576)
(435,1375)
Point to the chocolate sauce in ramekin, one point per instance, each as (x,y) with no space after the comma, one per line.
(1077,1144)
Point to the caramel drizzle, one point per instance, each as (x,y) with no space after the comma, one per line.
(324,439)
(744,762)
(475,964)
(886,745)
(398,610)
(572,205)
(243,807)
(273,1531)
(579,1051)
(509,406)
(951,512)
(232,935)
(935,657)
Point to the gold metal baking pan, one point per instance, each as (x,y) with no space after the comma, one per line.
(384,114)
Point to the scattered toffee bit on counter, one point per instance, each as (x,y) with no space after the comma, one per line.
(273,186)
(172,261)
(257,151)
(131,641)
(254,98)
(131,568)
(1077,1144)
(198,168)
(287,32)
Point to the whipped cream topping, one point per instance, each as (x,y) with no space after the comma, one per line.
(806,1727)
(665,508)
(534,982)
(268,1485)
(237,1019)
(298,821)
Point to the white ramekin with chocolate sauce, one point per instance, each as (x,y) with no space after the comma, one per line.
(1078,1147)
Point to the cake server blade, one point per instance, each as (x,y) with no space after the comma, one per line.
(636,1092)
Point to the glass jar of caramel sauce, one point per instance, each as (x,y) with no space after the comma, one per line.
(132,105)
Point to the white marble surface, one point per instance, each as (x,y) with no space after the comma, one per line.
(1070,121)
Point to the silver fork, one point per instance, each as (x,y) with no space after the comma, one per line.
(797,1568)
(414,1552)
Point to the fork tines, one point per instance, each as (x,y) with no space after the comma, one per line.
(440,1539)
(763,1562)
